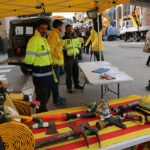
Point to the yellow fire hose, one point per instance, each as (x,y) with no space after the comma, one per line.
(16,136)
(23,107)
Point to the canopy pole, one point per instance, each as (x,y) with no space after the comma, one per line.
(99,49)
(101,56)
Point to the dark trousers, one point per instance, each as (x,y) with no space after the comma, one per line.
(72,71)
(88,48)
(55,90)
(96,54)
(148,60)
(43,94)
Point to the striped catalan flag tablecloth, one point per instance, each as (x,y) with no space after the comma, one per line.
(108,136)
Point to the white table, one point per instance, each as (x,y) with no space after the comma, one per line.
(129,143)
(94,78)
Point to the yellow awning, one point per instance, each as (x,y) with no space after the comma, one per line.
(26,7)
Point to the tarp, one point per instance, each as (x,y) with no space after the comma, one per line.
(26,7)
(109,136)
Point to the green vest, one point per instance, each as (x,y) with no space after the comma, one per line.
(71,46)
(38,51)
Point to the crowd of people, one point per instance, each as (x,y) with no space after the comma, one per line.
(46,55)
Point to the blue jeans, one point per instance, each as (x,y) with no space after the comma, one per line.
(55,90)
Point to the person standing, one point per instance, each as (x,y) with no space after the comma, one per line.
(148,43)
(93,38)
(87,36)
(71,52)
(58,59)
(39,63)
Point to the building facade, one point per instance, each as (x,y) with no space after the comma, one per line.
(123,12)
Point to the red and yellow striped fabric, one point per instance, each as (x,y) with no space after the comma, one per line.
(108,136)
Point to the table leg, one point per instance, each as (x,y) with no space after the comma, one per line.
(133,148)
(83,86)
(102,92)
(118,90)
(91,57)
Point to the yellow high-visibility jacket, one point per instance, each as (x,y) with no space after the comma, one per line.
(71,46)
(94,40)
(38,51)
(81,41)
(56,47)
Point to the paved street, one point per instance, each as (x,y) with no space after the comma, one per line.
(16,79)
(130,60)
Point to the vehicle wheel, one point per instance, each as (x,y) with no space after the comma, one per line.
(11,52)
(24,70)
(110,38)
(125,38)
(136,37)
(121,37)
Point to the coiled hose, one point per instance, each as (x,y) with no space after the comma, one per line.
(24,108)
(16,136)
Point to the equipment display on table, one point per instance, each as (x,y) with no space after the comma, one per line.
(107,75)
(106,72)
(101,70)
(103,114)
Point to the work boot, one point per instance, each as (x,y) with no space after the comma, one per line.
(69,90)
(78,87)
(148,87)
(41,109)
(62,98)
(60,103)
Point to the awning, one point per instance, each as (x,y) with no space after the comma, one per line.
(26,7)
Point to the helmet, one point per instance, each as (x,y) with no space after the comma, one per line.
(144,104)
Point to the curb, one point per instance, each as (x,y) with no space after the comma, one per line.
(132,45)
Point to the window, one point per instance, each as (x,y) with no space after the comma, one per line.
(114,15)
(119,13)
(126,9)
(29,30)
(19,30)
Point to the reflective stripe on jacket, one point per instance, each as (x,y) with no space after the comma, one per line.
(56,47)
(38,51)
(71,46)
(94,40)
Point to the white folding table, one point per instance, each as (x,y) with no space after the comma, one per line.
(94,78)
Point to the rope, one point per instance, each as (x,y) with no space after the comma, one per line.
(16,136)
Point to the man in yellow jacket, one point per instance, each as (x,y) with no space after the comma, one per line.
(39,62)
(58,58)
(71,47)
(95,44)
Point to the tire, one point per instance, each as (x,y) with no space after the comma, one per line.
(125,38)
(110,38)
(11,52)
(24,70)
(136,37)
(121,37)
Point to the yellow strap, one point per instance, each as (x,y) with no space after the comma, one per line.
(54,75)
